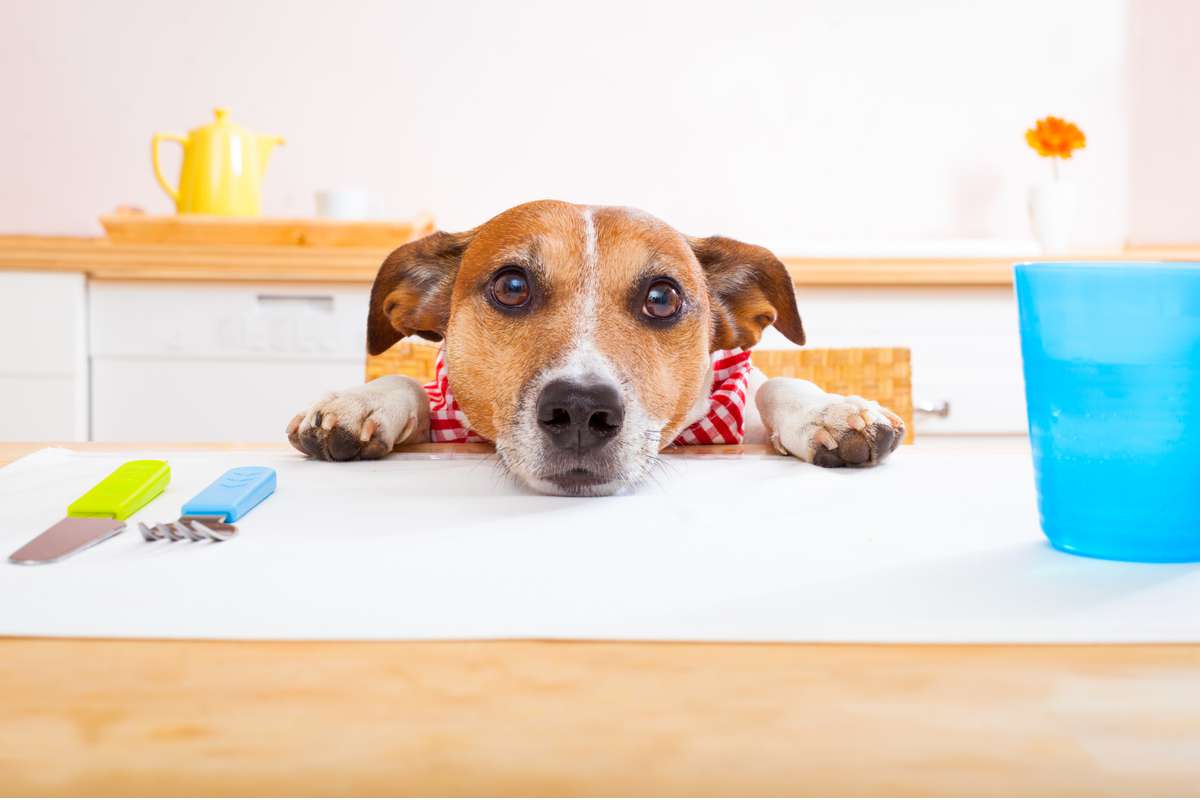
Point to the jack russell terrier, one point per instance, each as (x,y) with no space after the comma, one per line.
(581,341)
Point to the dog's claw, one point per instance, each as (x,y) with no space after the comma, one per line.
(360,423)
(847,432)
(826,440)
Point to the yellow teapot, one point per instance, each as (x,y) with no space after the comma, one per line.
(222,171)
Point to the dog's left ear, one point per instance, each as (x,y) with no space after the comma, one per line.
(750,289)
(411,295)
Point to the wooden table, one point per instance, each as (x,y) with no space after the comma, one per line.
(214,718)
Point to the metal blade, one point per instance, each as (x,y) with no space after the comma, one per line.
(66,538)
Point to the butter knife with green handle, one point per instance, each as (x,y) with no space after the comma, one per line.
(99,514)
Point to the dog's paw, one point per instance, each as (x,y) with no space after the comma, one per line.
(365,422)
(846,432)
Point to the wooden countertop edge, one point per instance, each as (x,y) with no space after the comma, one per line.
(101,259)
(528,718)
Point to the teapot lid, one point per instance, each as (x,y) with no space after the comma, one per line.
(221,123)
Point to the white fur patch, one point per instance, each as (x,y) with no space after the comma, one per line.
(631,455)
(585,327)
(396,404)
(795,411)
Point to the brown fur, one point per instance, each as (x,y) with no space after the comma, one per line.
(751,289)
(436,287)
(668,366)
(411,293)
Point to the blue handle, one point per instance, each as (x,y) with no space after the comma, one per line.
(233,494)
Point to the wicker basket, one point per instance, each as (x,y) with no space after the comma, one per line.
(414,359)
(883,374)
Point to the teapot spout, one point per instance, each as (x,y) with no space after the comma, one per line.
(265,145)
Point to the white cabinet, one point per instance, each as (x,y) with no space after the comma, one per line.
(965,348)
(220,362)
(204,362)
(43,357)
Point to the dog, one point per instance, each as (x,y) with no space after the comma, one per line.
(581,341)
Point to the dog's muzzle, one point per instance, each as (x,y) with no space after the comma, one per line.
(579,422)
(579,418)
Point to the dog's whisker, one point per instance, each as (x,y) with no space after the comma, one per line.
(652,473)
(666,464)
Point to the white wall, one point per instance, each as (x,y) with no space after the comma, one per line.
(1165,122)
(784,123)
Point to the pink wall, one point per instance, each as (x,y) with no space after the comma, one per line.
(1164,161)
(788,123)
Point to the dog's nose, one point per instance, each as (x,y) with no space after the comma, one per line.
(580,417)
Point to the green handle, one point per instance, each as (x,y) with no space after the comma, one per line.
(121,494)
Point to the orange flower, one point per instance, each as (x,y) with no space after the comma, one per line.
(1055,138)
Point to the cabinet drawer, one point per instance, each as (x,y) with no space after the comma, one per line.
(43,356)
(965,349)
(235,321)
(42,408)
(202,362)
(41,323)
(186,400)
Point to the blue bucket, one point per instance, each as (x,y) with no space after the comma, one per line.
(1111,353)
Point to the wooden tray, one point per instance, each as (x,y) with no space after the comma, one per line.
(203,229)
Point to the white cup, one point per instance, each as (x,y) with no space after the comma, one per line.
(344,204)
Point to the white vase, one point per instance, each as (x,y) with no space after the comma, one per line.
(1052,213)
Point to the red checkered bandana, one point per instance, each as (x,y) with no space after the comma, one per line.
(723,424)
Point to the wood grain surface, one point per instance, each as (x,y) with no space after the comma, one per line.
(202,229)
(107,260)
(515,718)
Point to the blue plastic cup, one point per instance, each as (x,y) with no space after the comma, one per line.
(1112,380)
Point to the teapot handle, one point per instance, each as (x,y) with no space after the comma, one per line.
(154,142)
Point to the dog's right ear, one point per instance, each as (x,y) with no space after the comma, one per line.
(750,289)
(411,295)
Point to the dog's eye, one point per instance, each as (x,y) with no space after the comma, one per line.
(511,288)
(662,300)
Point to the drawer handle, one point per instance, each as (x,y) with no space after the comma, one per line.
(941,409)
(317,302)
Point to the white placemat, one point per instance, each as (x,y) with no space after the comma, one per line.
(940,545)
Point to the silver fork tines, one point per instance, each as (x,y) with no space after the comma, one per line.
(197,529)
(194,530)
(217,532)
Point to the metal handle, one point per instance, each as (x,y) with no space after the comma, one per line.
(941,409)
(321,303)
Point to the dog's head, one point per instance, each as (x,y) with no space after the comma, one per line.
(578,338)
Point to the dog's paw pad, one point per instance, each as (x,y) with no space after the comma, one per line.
(851,449)
(854,448)
(341,428)
(851,432)
(342,444)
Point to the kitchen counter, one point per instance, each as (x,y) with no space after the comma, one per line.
(602,718)
(101,259)
(285,324)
